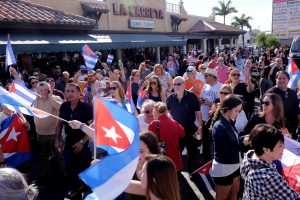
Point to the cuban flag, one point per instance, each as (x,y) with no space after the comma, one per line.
(142,96)
(14,104)
(116,131)
(204,181)
(10,58)
(19,90)
(291,163)
(109,59)
(294,73)
(14,141)
(129,101)
(89,57)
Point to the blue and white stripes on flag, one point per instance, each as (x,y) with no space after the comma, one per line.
(10,58)
(19,90)
(89,57)
(12,103)
(116,131)
(109,59)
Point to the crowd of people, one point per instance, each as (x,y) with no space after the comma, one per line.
(204,106)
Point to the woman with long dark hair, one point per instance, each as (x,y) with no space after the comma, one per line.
(227,158)
(265,82)
(154,90)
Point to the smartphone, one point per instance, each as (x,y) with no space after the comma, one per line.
(120,63)
(84,71)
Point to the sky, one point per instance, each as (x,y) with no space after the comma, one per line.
(259,10)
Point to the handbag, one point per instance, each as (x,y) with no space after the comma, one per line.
(162,145)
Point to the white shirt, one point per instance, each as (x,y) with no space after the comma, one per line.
(142,124)
(209,93)
(241,121)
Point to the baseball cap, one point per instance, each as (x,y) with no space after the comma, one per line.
(211,72)
(190,69)
(82,67)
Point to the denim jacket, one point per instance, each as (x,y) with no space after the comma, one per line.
(226,143)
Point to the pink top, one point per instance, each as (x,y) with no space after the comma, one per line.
(222,73)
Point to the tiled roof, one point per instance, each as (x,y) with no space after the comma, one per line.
(95,7)
(210,26)
(20,11)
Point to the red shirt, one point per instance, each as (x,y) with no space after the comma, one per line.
(212,64)
(170,132)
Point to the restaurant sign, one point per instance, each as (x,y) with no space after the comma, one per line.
(135,23)
(137,11)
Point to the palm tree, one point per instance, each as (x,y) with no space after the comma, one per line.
(241,22)
(224,9)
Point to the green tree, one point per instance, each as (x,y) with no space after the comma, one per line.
(261,40)
(272,41)
(241,22)
(224,9)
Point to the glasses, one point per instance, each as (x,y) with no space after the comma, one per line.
(266,103)
(177,84)
(148,111)
(48,80)
(113,88)
(238,75)
(33,82)
(153,83)
(203,68)
(224,93)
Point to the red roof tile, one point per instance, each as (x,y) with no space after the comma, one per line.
(20,11)
(209,26)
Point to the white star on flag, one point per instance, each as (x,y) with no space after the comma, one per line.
(298,181)
(13,135)
(111,133)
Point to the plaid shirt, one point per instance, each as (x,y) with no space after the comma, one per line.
(263,182)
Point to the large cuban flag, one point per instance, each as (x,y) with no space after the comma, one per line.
(291,163)
(14,141)
(117,133)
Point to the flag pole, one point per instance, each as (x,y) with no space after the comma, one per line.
(58,118)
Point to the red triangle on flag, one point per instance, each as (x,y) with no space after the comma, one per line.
(108,131)
(12,88)
(88,50)
(292,176)
(204,169)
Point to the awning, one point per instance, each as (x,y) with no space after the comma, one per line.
(39,43)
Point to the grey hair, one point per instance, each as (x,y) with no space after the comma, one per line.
(13,186)
(178,78)
(147,103)
(42,83)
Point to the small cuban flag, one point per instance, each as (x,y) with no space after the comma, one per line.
(116,131)
(89,57)
(109,59)
(10,58)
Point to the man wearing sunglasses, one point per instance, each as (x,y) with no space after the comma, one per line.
(184,107)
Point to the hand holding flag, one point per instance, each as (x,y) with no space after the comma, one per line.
(117,133)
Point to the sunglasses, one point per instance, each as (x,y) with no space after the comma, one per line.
(266,103)
(153,83)
(177,84)
(113,88)
(224,93)
(148,111)
(49,80)
(203,68)
(238,75)
(35,74)
(34,82)
(207,75)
